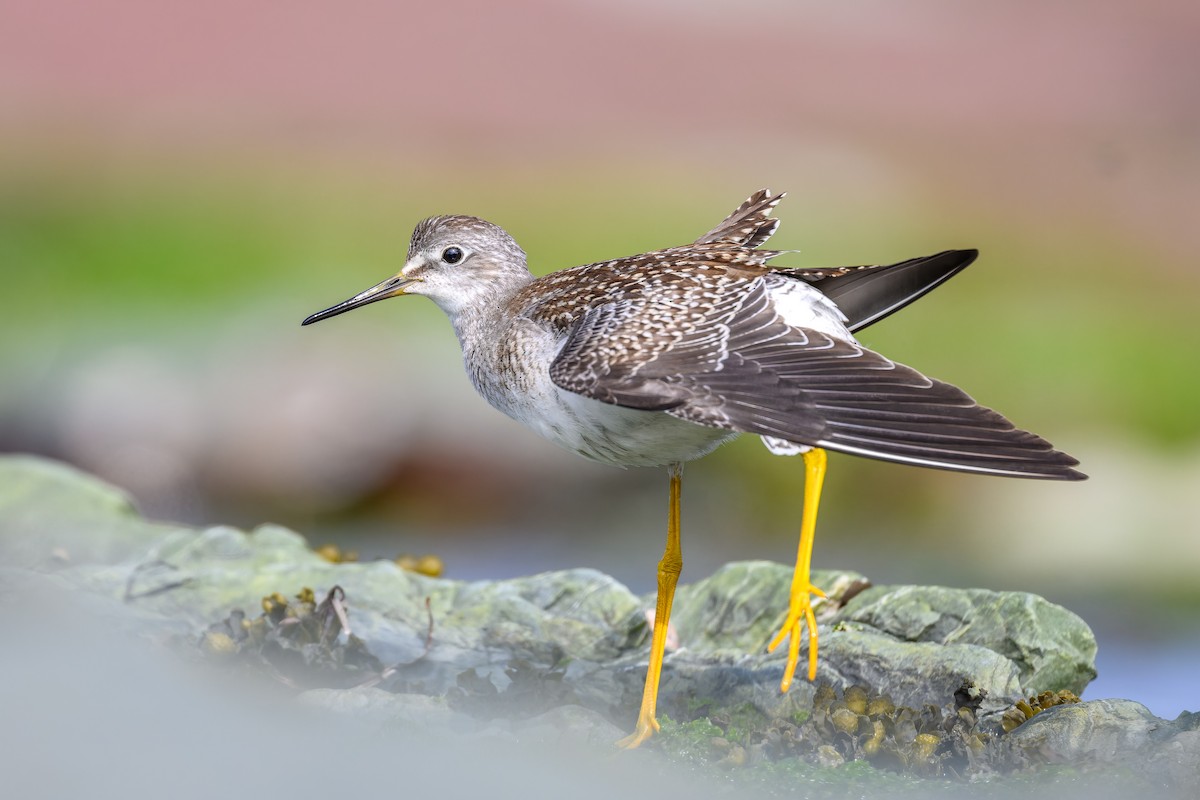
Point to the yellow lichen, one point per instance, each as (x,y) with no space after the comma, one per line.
(273,602)
(880,705)
(862,726)
(856,699)
(335,555)
(845,720)
(218,644)
(1024,710)
(428,564)
(871,745)
(925,745)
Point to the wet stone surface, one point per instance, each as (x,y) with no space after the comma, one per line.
(921,683)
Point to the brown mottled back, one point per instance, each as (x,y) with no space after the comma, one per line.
(675,277)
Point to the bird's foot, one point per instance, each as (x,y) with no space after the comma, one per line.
(647,726)
(800,613)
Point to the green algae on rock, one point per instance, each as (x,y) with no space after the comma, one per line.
(535,648)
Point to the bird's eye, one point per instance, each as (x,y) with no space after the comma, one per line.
(452,255)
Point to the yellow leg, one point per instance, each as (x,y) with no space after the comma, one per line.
(800,608)
(668,576)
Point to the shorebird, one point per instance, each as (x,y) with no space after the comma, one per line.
(657,359)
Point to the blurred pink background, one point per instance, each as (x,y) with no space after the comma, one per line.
(1088,113)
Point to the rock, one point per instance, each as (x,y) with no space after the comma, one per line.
(1110,733)
(426,717)
(575,636)
(54,514)
(917,644)
(560,656)
(420,714)
(1051,647)
(569,724)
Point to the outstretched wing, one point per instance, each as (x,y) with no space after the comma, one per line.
(731,362)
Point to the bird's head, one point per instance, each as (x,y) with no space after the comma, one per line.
(458,262)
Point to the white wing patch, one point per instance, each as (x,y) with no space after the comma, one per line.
(804,306)
(782,447)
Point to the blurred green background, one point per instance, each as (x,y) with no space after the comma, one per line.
(180,186)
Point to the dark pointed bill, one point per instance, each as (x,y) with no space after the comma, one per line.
(392,287)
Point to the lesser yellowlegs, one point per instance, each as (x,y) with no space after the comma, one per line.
(658,358)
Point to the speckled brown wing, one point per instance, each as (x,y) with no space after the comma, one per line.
(659,278)
(750,225)
(686,357)
(731,362)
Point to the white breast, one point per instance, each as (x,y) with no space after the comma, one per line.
(626,437)
(516,380)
